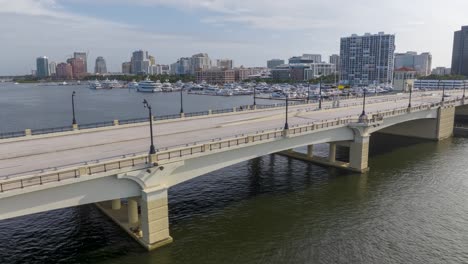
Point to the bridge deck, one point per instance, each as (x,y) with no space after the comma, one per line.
(20,157)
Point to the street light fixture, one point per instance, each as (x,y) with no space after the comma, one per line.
(443,91)
(146,105)
(320,91)
(73,108)
(410,92)
(181,101)
(286,126)
(363,116)
(464,88)
(254,96)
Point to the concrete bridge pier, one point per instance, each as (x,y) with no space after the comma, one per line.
(332,152)
(310,151)
(116,204)
(155,218)
(359,154)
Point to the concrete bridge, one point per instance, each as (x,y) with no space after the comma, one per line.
(105,165)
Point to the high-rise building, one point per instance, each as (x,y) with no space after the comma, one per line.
(421,63)
(306,58)
(316,70)
(100,67)
(160,69)
(64,71)
(200,61)
(152,60)
(78,67)
(273,63)
(127,67)
(367,59)
(224,63)
(441,71)
(181,67)
(335,59)
(83,56)
(460,52)
(52,68)
(42,67)
(140,62)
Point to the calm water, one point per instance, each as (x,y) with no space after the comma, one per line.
(410,208)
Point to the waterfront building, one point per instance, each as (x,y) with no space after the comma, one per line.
(316,70)
(242,73)
(439,84)
(78,67)
(127,67)
(335,59)
(152,60)
(181,67)
(216,76)
(421,63)
(273,63)
(52,68)
(140,62)
(367,59)
(199,62)
(404,78)
(64,71)
(224,63)
(460,52)
(100,67)
(83,56)
(306,58)
(281,73)
(42,67)
(441,71)
(160,69)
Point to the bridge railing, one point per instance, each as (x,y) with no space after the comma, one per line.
(200,148)
(42,131)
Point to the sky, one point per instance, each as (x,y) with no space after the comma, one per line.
(248,31)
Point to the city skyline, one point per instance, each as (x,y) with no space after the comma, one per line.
(223,29)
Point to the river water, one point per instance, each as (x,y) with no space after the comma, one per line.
(411,207)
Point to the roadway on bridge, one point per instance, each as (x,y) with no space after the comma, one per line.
(30,156)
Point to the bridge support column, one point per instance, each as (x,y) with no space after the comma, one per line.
(359,153)
(332,152)
(310,151)
(132,208)
(116,204)
(155,218)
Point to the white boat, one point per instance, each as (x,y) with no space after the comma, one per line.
(167,86)
(116,84)
(148,86)
(107,84)
(132,85)
(95,85)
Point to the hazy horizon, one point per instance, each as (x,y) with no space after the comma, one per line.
(249,32)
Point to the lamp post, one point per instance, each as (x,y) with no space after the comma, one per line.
(73,107)
(320,91)
(308,93)
(410,92)
(286,126)
(255,96)
(146,105)
(363,115)
(464,88)
(443,91)
(181,100)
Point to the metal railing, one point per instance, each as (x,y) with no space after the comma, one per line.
(197,149)
(15,134)
(51,130)
(200,148)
